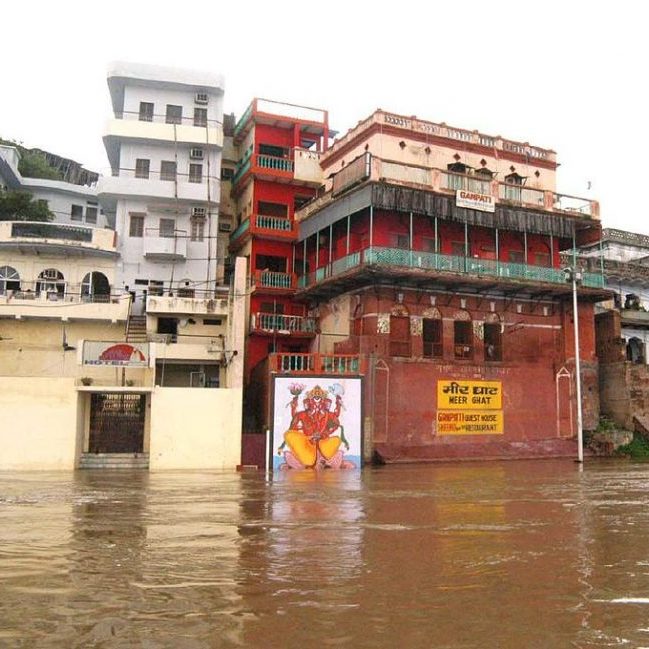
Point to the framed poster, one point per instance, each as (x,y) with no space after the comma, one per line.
(317,423)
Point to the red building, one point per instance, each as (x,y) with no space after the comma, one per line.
(429,262)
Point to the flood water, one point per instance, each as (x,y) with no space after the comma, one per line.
(515,554)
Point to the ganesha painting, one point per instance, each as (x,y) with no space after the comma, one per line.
(314,429)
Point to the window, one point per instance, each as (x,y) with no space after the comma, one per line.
(516,256)
(399,335)
(401,241)
(50,281)
(513,187)
(167,170)
(458,248)
(493,345)
(272,209)
(227,173)
(432,337)
(463,339)
(142,168)
(91,214)
(276,151)
(167,228)
(136,225)
(542,259)
(195,173)
(76,213)
(215,322)
(174,114)
(197,229)
(270,262)
(428,244)
(200,116)
(9,280)
(146,111)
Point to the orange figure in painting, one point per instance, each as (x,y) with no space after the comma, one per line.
(315,436)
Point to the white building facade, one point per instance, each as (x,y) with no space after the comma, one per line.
(164,146)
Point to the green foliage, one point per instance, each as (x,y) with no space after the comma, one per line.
(20,206)
(637,449)
(34,165)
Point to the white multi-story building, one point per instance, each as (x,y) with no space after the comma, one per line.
(164,146)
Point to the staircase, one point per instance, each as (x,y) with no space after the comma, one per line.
(136,329)
(114,461)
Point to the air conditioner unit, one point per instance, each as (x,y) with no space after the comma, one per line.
(225,227)
(196,154)
(198,212)
(201,98)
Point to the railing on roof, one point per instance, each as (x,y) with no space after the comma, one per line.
(242,121)
(34,230)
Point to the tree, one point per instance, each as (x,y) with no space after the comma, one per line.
(21,206)
(35,165)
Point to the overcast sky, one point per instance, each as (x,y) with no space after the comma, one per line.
(569,75)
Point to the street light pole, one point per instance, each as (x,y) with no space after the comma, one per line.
(572,274)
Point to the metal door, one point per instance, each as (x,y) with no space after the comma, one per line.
(117,423)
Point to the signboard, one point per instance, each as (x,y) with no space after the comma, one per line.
(316,423)
(469,407)
(469,395)
(469,422)
(475,201)
(115,354)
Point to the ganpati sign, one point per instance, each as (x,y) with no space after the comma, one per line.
(317,423)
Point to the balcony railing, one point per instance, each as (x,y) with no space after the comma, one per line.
(32,230)
(446,263)
(277,223)
(278,322)
(291,363)
(273,162)
(273,279)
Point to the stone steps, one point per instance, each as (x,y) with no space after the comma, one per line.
(114,461)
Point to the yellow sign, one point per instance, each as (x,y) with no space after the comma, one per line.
(469,395)
(483,422)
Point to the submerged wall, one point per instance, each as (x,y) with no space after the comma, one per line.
(194,428)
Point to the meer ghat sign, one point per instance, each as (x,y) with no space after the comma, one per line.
(469,408)
(475,201)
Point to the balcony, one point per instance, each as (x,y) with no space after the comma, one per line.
(64,302)
(368,167)
(276,281)
(280,324)
(155,186)
(34,237)
(164,246)
(154,129)
(206,305)
(336,364)
(396,258)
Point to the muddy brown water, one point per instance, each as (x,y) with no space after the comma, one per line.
(516,554)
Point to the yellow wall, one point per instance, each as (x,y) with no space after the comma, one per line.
(39,423)
(194,428)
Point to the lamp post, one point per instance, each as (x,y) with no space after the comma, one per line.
(574,275)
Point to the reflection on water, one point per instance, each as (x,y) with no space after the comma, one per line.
(517,554)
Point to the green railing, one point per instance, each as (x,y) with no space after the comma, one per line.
(272,162)
(243,227)
(244,118)
(33,230)
(448,263)
(278,223)
(243,165)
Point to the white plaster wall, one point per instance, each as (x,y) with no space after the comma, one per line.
(160,97)
(39,423)
(195,428)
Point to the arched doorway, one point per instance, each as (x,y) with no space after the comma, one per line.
(9,280)
(95,287)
